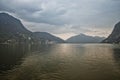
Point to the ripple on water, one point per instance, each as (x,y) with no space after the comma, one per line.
(68,62)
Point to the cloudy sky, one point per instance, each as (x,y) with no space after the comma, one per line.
(65,18)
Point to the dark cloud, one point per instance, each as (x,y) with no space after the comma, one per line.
(34,11)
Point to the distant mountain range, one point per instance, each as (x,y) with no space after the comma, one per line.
(82,38)
(12,31)
(114,37)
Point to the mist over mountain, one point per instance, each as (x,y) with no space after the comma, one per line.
(12,30)
(82,38)
(114,37)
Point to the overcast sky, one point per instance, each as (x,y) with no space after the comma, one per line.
(65,18)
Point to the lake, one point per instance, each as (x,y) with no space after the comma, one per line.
(60,62)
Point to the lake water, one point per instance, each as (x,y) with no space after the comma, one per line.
(60,62)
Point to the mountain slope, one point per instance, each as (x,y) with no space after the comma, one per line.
(10,24)
(11,29)
(82,38)
(114,37)
(47,36)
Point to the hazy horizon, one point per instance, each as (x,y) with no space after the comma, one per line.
(65,18)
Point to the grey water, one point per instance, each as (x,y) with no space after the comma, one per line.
(60,62)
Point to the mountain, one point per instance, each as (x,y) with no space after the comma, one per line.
(114,37)
(82,38)
(10,24)
(47,36)
(12,31)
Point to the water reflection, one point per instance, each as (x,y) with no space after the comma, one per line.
(11,55)
(61,62)
(116,55)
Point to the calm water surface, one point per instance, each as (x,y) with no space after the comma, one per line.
(60,62)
